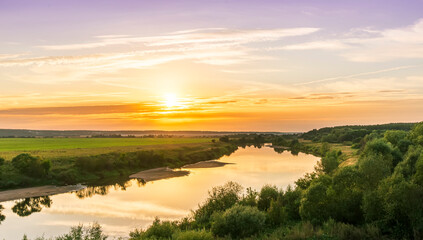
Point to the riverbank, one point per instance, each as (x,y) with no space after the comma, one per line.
(158,174)
(71,170)
(48,190)
(206,164)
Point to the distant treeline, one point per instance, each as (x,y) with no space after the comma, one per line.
(351,133)
(85,133)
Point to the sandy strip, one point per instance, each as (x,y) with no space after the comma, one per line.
(206,164)
(158,173)
(15,194)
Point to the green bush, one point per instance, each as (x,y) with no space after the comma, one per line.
(329,162)
(31,166)
(238,222)
(193,235)
(344,231)
(158,230)
(266,195)
(316,203)
(220,199)
(93,232)
(1,161)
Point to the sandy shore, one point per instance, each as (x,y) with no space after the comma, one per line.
(206,164)
(158,173)
(9,195)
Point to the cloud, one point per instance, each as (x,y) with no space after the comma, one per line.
(369,45)
(195,36)
(323,45)
(356,75)
(79,110)
(207,46)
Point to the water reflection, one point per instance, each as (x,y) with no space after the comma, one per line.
(279,150)
(102,190)
(28,206)
(2,217)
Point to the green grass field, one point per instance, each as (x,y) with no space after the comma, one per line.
(57,147)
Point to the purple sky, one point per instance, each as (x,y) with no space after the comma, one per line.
(282,63)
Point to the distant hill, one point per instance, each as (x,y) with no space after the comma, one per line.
(90,133)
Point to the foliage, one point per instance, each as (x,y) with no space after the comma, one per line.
(193,235)
(158,230)
(27,170)
(379,197)
(329,162)
(220,198)
(238,222)
(267,194)
(31,166)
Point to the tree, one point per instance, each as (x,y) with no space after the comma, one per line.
(329,162)
(395,136)
(347,195)
(316,203)
(220,199)
(324,149)
(31,166)
(416,134)
(238,222)
(373,168)
(266,195)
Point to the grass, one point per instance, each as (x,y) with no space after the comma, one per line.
(60,147)
(350,153)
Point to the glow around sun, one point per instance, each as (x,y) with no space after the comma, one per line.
(171,100)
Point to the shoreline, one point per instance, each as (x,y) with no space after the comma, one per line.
(206,164)
(48,190)
(158,174)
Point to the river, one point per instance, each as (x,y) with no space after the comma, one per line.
(119,208)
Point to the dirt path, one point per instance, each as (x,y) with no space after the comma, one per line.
(9,195)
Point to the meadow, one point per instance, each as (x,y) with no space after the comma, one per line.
(61,147)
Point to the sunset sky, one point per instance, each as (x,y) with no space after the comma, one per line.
(209,65)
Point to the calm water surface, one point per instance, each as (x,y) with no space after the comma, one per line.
(120,208)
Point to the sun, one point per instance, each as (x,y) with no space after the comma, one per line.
(170,100)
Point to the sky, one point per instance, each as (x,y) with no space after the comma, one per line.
(209,65)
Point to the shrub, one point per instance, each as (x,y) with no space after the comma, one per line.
(220,199)
(93,232)
(193,235)
(303,230)
(31,166)
(277,214)
(267,194)
(329,162)
(158,230)
(316,204)
(238,222)
(249,199)
(1,161)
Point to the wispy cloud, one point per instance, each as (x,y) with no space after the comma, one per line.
(216,46)
(356,75)
(321,45)
(194,36)
(369,45)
